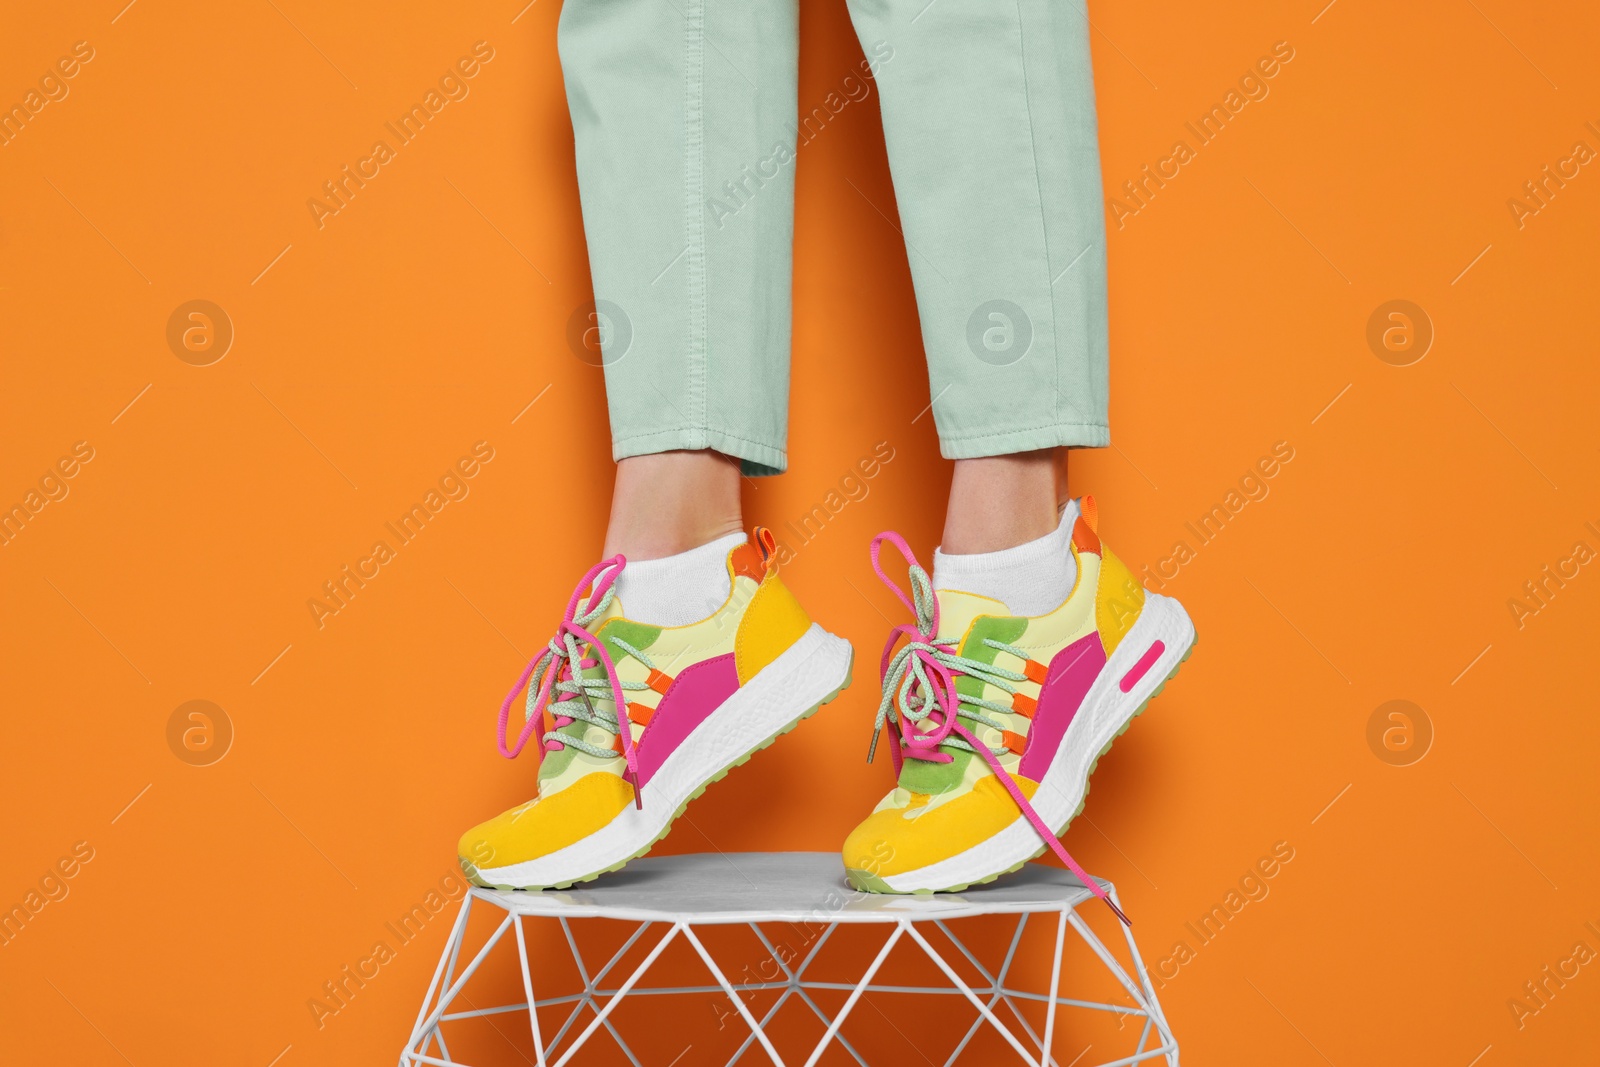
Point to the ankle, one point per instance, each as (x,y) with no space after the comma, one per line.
(999,502)
(671,502)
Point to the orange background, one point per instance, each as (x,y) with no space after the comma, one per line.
(374,352)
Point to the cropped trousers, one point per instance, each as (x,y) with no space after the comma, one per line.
(687,129)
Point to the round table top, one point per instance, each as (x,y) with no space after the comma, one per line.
(742,887)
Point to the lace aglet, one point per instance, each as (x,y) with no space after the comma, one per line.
(1119,913)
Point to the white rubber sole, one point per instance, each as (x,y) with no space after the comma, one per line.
(1106,712)
(807,675)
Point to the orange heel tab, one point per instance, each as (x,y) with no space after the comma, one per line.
(757,557)
(767,544)
(1090,512)
(1085,536)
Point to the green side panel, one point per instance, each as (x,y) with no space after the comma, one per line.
(922,776)
(635,634)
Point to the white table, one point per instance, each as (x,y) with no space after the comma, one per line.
(681,893)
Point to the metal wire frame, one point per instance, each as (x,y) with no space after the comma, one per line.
(427,1032)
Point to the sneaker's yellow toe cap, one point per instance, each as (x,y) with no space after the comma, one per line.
(543,825)
(893,841)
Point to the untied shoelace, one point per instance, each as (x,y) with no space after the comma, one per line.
(560,694)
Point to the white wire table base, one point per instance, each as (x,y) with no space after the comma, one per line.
(906,919)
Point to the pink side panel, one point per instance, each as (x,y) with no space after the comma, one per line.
(1072,671)
(693,695)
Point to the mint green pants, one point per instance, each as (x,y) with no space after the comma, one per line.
(687,126)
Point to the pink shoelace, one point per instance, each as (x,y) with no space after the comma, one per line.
(919,687)
(558,686)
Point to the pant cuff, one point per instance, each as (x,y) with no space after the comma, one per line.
(756,458)
(1056,435)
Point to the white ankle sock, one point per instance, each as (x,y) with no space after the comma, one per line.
(677,590)
(1030,579)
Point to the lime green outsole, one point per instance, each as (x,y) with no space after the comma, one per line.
(867,882)
(476,879)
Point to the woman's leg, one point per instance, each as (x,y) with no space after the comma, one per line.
(988,110)
(988,113)
(683,116)
(672,667)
